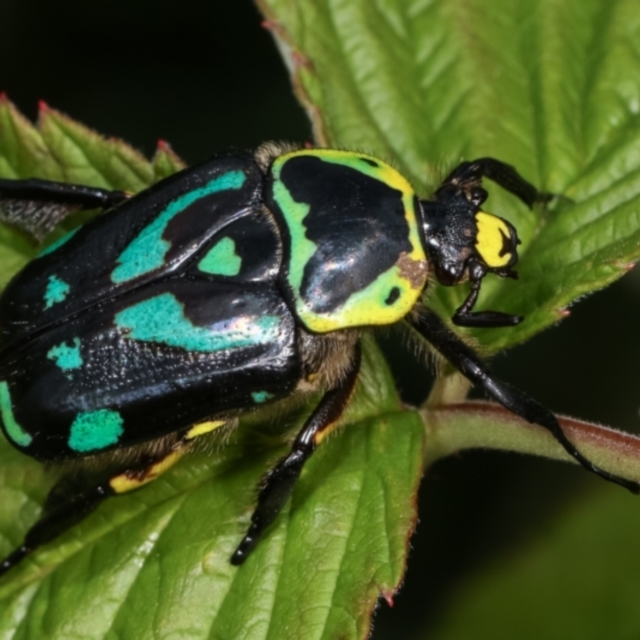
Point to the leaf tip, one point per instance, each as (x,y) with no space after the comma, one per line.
(388,596)
(163,145)
(275,28)
(3,97)
(43,108)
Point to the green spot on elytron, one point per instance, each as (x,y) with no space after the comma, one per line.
(13,430)
(58,243)
(222,259)
(57,291)
(66,357)
(261,396)
(147,250)
(94,430)
(161,319)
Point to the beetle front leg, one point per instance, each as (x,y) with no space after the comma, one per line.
(499,172)
(465,317)
(279,482)
(465,360)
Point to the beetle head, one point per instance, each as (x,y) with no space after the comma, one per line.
(463,242)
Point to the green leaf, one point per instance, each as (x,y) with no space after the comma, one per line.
(578,582)
(547,86)
(423,84)
(59,148)
(166,162)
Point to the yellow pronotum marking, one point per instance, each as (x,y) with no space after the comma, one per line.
(203,427)
(490,239)
(367,306)
(130,481)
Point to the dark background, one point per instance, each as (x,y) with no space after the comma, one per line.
(207,77)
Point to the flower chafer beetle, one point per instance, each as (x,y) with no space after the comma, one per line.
(241,281)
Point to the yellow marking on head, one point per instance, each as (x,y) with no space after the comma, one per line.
(204,427)
(128,481)
(490,241)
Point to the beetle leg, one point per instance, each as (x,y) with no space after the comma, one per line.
(464,317)
(463,358)
(66,505)
(279,482)
(37,206)
(499,172)
(61,193)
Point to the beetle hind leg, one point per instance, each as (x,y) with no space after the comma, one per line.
(68,504)
(464,359)
(56,521)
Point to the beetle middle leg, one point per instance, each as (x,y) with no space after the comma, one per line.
(279,482)
(68,503)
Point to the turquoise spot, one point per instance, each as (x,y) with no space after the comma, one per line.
(58,243)
(261,396)
(12,428)
(66,357)
(57,291)
(162,319)
(146,252)
(94,430)
(222,259)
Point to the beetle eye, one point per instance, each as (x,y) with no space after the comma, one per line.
(478,195)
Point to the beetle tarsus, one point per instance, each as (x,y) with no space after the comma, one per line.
(486,319)
(464,317)
(14,558)
(501,173)
(277,488)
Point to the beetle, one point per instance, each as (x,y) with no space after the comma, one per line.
(241,281)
